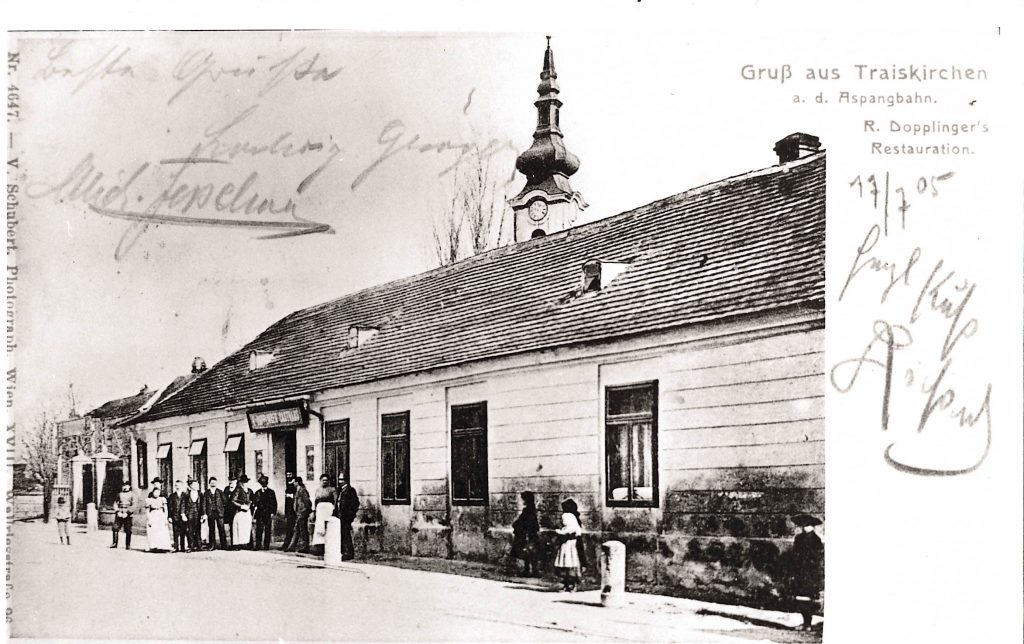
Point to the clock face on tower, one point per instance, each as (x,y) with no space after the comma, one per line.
(538,210)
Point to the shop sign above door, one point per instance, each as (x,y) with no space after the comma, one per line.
(280,416)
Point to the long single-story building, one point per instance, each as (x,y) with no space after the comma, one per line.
(663,367)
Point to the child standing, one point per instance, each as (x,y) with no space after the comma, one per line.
(62,513)
(568,560)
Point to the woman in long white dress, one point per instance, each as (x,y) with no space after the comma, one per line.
(568,559)
(241,525)
(323,510)
(157,532)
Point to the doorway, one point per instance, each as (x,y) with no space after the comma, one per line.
(283,458)
(88,485)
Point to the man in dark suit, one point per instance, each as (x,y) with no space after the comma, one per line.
(289,510)
(346,505)
(192,512)
(303,506)
(174,503)
(229,507)
(265,504)
(213,502)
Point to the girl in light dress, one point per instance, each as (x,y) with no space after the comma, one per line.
(568,560)
(157,532)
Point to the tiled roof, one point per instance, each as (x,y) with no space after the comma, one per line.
(743,245)
(121,407)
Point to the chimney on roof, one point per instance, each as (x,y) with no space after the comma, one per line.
(597,274)
(198,365)
(796,146)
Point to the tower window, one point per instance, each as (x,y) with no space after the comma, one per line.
(537,233)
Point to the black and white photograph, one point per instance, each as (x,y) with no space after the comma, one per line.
(398,332)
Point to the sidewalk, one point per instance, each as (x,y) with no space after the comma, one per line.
(642,602)
(450,596)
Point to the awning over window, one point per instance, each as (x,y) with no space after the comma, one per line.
(234,442)
(163,451)
(197,447)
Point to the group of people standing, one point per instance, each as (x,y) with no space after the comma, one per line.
(175,522)
(235,517)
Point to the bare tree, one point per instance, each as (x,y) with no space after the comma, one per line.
(41,449)
(476,215)
(447,232)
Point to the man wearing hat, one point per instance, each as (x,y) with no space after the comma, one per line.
(807,572)
(346,505)
(123,508)
(289,510)
(265,505)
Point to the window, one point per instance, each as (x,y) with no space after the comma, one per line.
(631,445)
(197,452)
(234,451)
(166,465)
(141,466)
(394,457)
(469,454)
(258,458)
(336,449)
(310,463)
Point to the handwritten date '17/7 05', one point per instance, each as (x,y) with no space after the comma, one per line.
(929,299)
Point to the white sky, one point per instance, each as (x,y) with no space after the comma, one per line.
(637,112)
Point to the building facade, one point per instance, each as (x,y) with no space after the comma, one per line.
(662,367)
(100,450)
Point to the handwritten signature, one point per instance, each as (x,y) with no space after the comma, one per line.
(178,202)
(397,141)
(110,64)
(939,300)
(202,65)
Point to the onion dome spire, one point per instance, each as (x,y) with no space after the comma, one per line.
(548,163)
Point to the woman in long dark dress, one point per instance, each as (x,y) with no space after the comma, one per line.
(524,535)
(808,561)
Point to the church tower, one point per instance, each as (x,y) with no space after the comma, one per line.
(547,203)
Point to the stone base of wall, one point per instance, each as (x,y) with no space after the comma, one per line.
(731,570)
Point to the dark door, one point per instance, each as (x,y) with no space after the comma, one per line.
(289,453)
(88,485)
(112,483)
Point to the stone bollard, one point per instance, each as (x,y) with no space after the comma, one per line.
(332,542)
(92,518)
(613,573)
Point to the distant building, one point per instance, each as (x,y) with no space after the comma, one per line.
(99,451)
(662,367)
